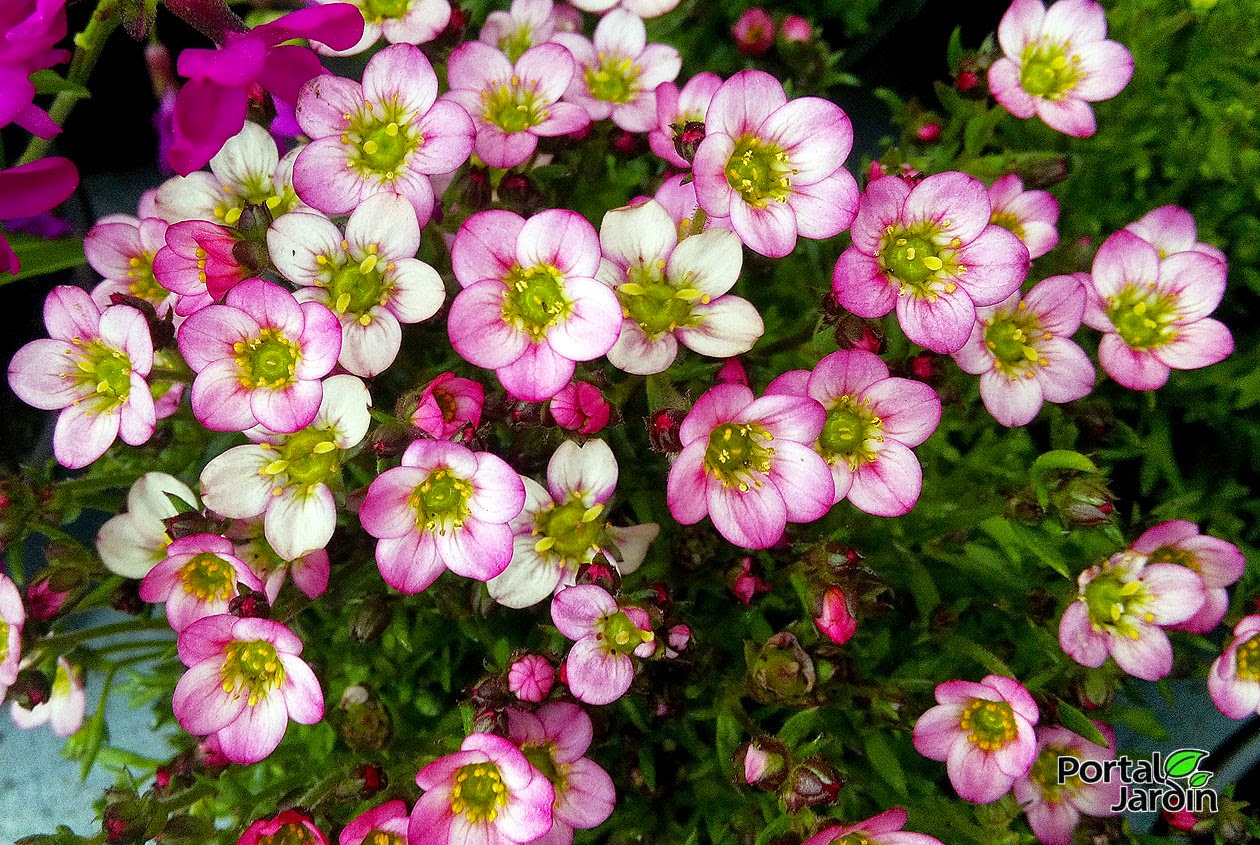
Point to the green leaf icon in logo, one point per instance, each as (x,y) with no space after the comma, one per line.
(1181,763)
(1200,779)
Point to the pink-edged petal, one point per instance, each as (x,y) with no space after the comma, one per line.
(1171,533)
(803,480)
(548,68)
(1008,89)
(209,336)
(1135,369)
(1071,117)
(562,118)
(752,518)
(500,149)
(485,246)
(593,324)
(409,563)
(713,191)
(1058,303)
(728,326)
(303,698)
(219,401)
(590,469)
(401,73)
(635,353)
(590,797)
(562,239)
(1078,639)
(537,374)
(199,702)
(794,418)
(596,676)
(909,410)
(942,325)
(323,178)
(1068,374)
(300,522)
(937,730)
(448,134)
(861,286)
(1176,593)
(385,512)
(975,774)
(499,494)
(1020,25)
(479,550)
(997,262)
(845,373)
(1196,279)
(1078,21)
(881,207)
(234,484)
(770,230)
(288,409)
(1124,259)
(70,313)
(1149,656)
(1198,344)
(1012,400)
(827,207)
(80,435)
(1233,696)
(1105,68)
(815,133)
(718,405)
(35,374)
(744,102)
(952,196)
(477,328)
(576,610)
(137,417)
(890,485)
(1220,563)
(256,732)
(686,484)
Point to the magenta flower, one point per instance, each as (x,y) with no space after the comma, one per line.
(599,668)
(558,735)
(680,117)
(984,734)
(1022,351)
(30,189)
(1054,809)
(514,104)
(445,507)
(388,135)
(1154,311)
(259,358)
(133,542)
(29,33)
(289,826)
(487,792)
(370,278)
(1217,563)
(1234,679)
(580,407)
(1057,62)
(872,422)
(383,825)
(795,30)
(285,477)
(92,367)
(198,578)
(754,31)
(122,251)
(1121,609)
(1030,215)
(617,73)
(448,404)
(931,252)
(530,305)
(884,829)
(775,168)
(210,108)
(198,264)
(12,619)
(65,707)
(411,22)
(244,682)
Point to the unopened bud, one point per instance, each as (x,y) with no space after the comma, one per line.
(687,138)
(754,32)
(812,783)
(369,620)
(31,689)
(365,724)
(835,620)
(928,133)
(763,763)
(249,603)
(780,671)
(795,30)
(531,677)
(662,427)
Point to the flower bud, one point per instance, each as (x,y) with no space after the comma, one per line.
(781,671)
(967,80)
(249,603)
(795,30)
(743,583)
(372,777)
(531,677)
(369,620)
(754,32)
(627,143)
(44,599)
(1183,820)
(580,407)
(1083,499)
(762,763)
(928,133)
(815,782)
(662,426)
(31,689)
(601,573)
(126,818)
(687,138)
(835,620)
(732,372)
(364,723)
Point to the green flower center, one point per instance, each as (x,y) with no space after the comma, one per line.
(852,432)
(1115,601)
(383,837)
(543,758)
(358,288)
(513,108)
(613,79)
(105,372)
(1172,554)
(569,531)
(479,792)
(852,839)
(988,724)
(517,42)
(1045,773)
(1142,317)
(251,667)
(657,304)
(257,189)
(307,457)
(534,300)
(912,258)
(381,139)
(289,834)
(737,455)
(620,634)
(209,577)
(141,281)
(441,501)
(1047,71)
(1009,222)
(4,641)
(376,11)
(268,360)
(1010,337)
(1247,659)
(759,171)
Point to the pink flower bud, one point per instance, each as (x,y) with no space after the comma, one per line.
(795,30)
(732,372)
(835,621)
(754,32)
(1181,820)
(679,637)
(966,80)
(580,407)
(929,133)
(531,678)
(744,584)
(764,763)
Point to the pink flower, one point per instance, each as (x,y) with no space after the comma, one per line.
(389,134)
(487,792)
(754,31)
(530,678)
(836,621)
(513,105)
(1217,563)
(530,305)
(1154,311)
(285,477)
(1171,229)
(580,407)
(884,829)
(198,578)
(199,264)
(528,23)
(680,117)
(413,22)
(1022,351)
(618,73)
(1054,809)
(92,367)
(447,405)
(775,168)
(747,463)
(1030,215)
(64,708)
(259,358)
(1057,62)
(289,826)
(133,542)
(931,252)
(558,735)
(983,732)
(29,32)
(30,189)
(1234,679)
(210,107)
(370,278)
(673,291)
(1121,609)
(383,825)
(872,422)
(122,251)
(746,586)
(598,668)
(12,619)
(310,571)
(445,507)
(795,30)
(244,682)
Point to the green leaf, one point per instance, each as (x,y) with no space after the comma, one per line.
(1078,723)
(1200,779)
(1183,762)
(777,827)
(798,727)
(40,256)
(728,734)
(990,661)
(1057,459)
(884,761)
(180,505)
(48,82)
(953,52)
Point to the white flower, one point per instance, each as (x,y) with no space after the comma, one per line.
(132,543)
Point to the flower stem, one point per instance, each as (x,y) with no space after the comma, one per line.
(70,639)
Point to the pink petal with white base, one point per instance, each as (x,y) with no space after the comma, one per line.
(1197,280)
(303,698)
(953,196)
(942,326)
(485,246)
(576,610)
(256,732)
(1068,375)
(199,702)
(537,375)
(719,405)
(592,326)
(589,469)
(975,774)
(827,207)
(1149,656)
(890,485)
(804,481)
(861,286)
(595,676)
(769,230)
(479,550)
(1136,370)
(1078,639)
(744,102)
(728,326)
(448,132)
(685,483)
(288,409)
(754,519)
(1013,401)
(409,563)
(908,410)
(219,401)
(936,730)
(815,133)
(562,239)
(478,331)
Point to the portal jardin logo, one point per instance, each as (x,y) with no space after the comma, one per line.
(1173,783)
